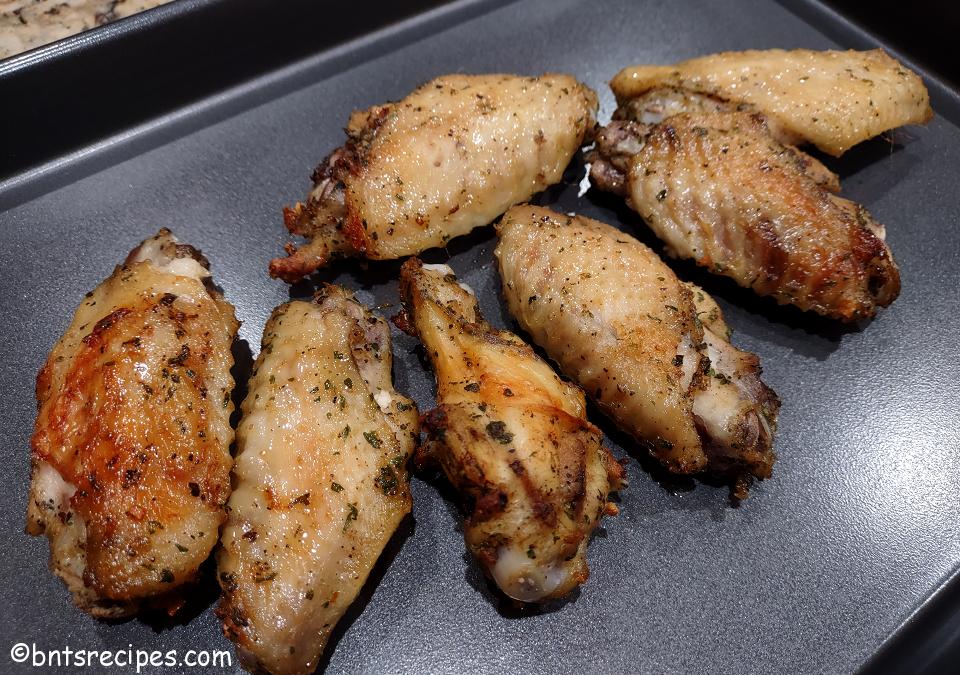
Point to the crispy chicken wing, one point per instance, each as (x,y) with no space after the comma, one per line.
(652,351)
(718,188)
(832,99)
(451,156)
(513,439)
(321,479)
(131,452)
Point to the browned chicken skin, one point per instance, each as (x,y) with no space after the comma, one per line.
(512,438)
(131,461)
(832,99)
(717,187)
(652,351)
(451,156)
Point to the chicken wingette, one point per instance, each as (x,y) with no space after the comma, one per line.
(652,351)
(451,156)
(320,480)
(512,438)
(131,451)
(832,99)
(718,188)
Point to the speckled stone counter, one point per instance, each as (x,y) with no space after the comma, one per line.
(25,24)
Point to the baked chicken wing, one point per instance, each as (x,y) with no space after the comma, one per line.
(652,351)
(451,156)
(832,99)
(131,451)
(320,479)
(717,187)
(512,438)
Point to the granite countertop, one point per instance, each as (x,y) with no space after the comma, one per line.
(25,24)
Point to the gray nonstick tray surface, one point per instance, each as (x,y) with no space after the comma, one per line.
(815,572)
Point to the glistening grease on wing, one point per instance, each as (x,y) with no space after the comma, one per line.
(131,461)
(451,156)
(832,99)
(321,479)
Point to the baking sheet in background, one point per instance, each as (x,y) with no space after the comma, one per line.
(71,93)
(860,523)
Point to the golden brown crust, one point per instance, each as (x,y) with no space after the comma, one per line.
(512,438)
(130,450)
(718,188)
(652,351)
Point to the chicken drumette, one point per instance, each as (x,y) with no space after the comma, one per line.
(512,438)
(652,351)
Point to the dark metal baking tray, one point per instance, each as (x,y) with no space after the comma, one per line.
(851,543)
